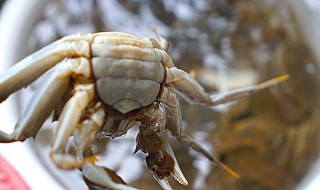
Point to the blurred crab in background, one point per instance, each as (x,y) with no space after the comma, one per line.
(271,134)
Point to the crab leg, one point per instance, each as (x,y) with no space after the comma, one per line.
(85,132)
(193,92)
(68,121)
(31,67)
(40,107)
(96,177)
(246,91)
(46,98)
(174,125)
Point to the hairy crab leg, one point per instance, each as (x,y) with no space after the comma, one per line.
(85,132)
(182,83)
(40,107)
(235,94)
(193,92)
(174,125)
(33,66)
(68,121)
(96,177)
(46,98)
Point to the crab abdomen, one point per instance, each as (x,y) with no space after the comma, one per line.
(128,71)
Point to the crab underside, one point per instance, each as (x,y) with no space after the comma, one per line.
(105,84)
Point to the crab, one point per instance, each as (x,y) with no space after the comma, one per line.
(104,84)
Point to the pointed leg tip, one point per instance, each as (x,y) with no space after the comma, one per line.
(231,172)
(272,82)
(226,168)
(282,78)
(185,183)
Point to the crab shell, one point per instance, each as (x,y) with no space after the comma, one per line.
(128,73)
(107,83)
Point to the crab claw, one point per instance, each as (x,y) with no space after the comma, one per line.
(163,163)
(164,183)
